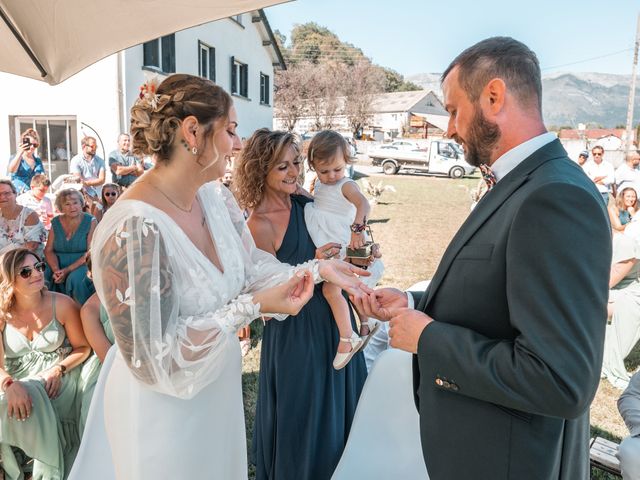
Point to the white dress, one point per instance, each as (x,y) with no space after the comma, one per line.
(330,215)
(329,218)
(170,395)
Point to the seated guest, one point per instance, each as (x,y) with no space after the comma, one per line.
(109,195)
(41,345)
(37,200)
(25,163)
(125,166)
(629,452)
(67,247)
(623,326)
(97,328)
(624,208)
(19,226)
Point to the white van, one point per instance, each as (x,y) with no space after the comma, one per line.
(443,157)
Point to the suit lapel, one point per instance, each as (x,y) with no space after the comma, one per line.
(487,206)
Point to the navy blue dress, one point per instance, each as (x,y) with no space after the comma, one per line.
(305,407)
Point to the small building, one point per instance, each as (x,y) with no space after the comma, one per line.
(417,114)
(238,53)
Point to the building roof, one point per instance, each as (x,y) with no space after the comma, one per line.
(590,133)
(404,101)
(262,17)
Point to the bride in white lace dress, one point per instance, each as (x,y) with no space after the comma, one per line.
(178,273)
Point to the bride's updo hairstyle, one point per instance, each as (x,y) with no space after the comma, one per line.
(157,114)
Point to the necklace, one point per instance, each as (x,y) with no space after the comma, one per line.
(175,204)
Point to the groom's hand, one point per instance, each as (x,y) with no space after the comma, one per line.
(405,328)
(378,303)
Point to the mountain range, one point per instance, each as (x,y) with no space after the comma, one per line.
(595,99)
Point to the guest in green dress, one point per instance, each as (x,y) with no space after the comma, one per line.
(41,344)
(67,247)
(96,326)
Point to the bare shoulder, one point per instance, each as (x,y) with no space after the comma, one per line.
(350,186)
(64,306)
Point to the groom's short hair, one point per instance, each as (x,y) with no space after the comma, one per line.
(500,57)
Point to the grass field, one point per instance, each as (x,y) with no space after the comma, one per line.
(414,226)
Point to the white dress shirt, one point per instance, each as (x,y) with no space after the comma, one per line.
(602,169)
(512,158)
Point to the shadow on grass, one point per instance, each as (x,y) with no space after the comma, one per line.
(250,397)
(358,175)
(633,359)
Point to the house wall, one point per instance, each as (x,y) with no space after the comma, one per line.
(92,96)
(229,39)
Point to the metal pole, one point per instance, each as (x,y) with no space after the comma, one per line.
(632,92)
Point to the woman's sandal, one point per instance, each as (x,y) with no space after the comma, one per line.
(341,359)
(371,333)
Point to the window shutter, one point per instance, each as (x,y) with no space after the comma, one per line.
(266,89)
(169,53)
(212,64)
(234,79)
(245,81)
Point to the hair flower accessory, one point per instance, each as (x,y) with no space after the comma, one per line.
(148,92)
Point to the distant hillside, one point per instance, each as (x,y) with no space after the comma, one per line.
(572,98)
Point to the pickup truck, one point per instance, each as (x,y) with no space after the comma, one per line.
(443,157)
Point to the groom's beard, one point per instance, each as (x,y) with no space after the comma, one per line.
(481,139)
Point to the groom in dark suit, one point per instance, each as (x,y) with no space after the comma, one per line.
(509,335)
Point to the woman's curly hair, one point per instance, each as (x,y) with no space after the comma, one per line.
(262,151)
(154,123)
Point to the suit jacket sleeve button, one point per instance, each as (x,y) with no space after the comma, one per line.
(439,382)
(455,387)
(446,384)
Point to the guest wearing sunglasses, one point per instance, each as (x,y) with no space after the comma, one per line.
(601,172)
(109,195)
(67,247)
(25,163)
(41,344)
(19,226)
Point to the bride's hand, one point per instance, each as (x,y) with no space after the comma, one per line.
(344,275)
(288,297)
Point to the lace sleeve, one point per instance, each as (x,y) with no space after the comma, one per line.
(137,281)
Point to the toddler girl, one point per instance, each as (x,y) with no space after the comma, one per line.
(339,214)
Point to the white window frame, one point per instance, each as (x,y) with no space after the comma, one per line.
(210,70)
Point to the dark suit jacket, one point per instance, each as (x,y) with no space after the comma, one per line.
(505,375)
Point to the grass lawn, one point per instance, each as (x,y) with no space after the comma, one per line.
(414,227)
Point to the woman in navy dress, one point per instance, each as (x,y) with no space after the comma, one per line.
(305,407)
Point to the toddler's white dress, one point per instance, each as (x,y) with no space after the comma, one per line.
(329,218)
